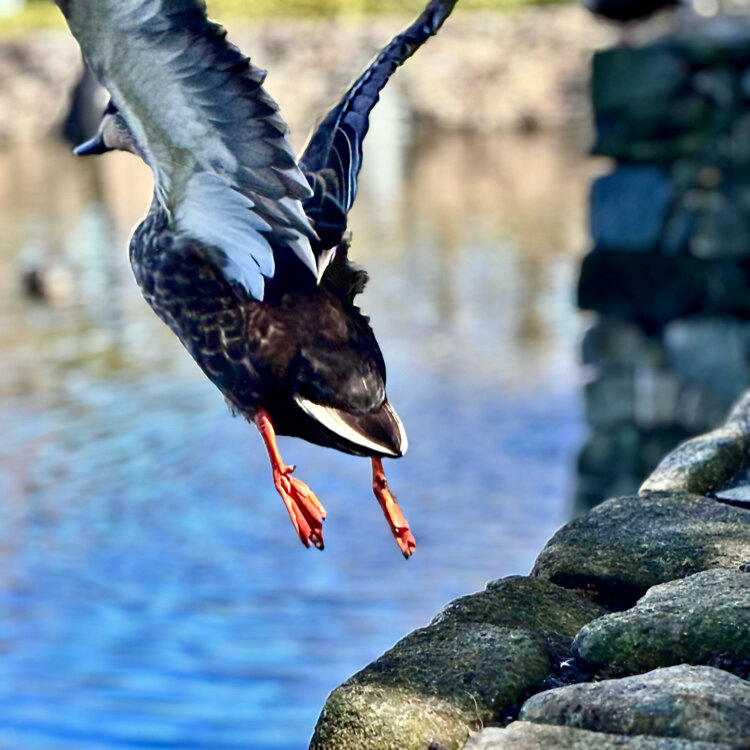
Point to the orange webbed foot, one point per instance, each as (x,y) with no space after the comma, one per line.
(399,525)
(303,506)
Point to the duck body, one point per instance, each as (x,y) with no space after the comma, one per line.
(305,343)
(244,251)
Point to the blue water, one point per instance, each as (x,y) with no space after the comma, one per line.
(153,593)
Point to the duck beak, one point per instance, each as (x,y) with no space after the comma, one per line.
(91,147)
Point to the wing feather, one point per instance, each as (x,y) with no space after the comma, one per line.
(333,156)
(203,122)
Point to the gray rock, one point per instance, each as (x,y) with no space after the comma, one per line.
(629,208)
(610,399)
(712,462)
(628,544)
(620,343)
(702,619)
(678,230)
(722,229)
(698,410)
(472,664)
(710,352)
(437,684)
(528,604)
(657,394)
(696,703)
(628,78)
(525,735)
(616,283)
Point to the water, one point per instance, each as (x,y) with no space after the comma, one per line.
(152,591)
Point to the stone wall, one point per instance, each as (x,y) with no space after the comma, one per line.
(669,273)
(632,631)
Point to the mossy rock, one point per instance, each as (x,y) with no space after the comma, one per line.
(621,548)
(477,660)
(703,619)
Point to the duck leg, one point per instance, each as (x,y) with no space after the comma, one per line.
(399,525)
(304,508)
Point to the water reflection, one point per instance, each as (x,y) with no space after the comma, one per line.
(152,593)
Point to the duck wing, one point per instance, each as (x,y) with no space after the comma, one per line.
(333,156)
(201,119)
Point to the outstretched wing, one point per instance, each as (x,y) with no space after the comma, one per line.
(333,156)
(223,167)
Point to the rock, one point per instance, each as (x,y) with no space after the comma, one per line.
(628,544)
(696,703)
(629,208)
(436,684)
(657,394)
(654,289)
(525,735)
(712,462)
(702,619)
(627,78)
(528,604)
(698,410)
(664,131)
(612,450)
(610,399)
(722,228)
(477,659)
(613,342)
(678,230)
(710,352)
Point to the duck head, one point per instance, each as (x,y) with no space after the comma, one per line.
(113,135)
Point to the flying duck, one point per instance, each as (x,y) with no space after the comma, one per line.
(244,251)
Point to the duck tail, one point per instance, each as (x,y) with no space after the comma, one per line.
(378,433)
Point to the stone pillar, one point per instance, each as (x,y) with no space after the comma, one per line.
(668,277)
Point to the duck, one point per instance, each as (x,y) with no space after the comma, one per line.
(244,251)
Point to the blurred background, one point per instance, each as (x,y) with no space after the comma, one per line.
(152,591)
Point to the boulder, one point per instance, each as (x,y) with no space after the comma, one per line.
(628,544)
(710,352)
(525,735)
(479,658)
(695,703)
(617,283)
(710,463)
(629,208)
(702,619)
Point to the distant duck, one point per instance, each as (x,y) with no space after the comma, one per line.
(50,281)
(243,253)
(627,10)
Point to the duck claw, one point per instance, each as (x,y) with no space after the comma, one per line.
(304,508)
(393,514)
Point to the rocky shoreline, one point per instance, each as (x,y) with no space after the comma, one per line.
(487,71)
(632,631)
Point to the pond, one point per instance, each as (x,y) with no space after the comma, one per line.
(152,591)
